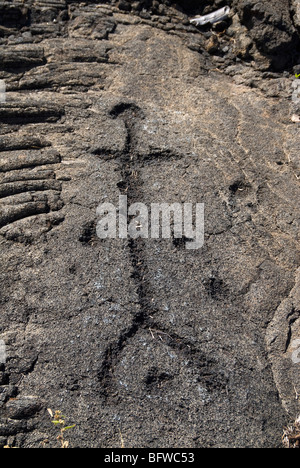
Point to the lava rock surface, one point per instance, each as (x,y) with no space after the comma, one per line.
(169,347)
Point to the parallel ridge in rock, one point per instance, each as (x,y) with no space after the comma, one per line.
(28,185)
(25,114)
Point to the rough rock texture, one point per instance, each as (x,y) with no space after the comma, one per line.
(172,347)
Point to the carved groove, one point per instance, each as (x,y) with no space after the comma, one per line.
(144,319)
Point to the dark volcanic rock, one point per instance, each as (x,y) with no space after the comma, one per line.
(172,347)
(22,408)
(14,14)
(271,27)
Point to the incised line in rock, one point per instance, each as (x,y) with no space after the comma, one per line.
(130,186)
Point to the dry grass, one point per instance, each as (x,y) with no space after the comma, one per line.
(60,423)
(291,435)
